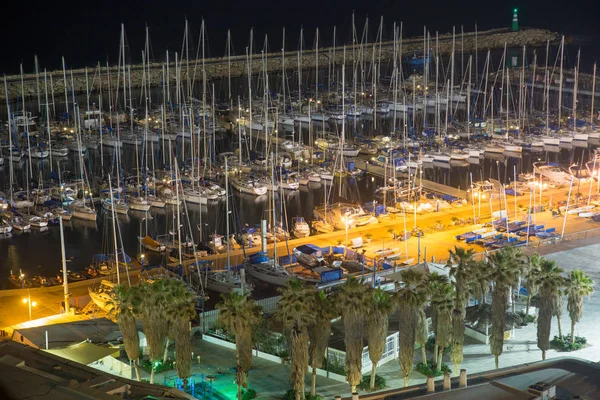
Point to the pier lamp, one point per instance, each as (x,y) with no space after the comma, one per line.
(27,300)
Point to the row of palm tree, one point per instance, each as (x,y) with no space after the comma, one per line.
(306,313)
(547,280)
(165,308)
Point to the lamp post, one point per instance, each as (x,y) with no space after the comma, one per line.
(27,300)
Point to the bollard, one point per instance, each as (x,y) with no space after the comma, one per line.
(447,384)
(462,380)
(430,385)
(355,396)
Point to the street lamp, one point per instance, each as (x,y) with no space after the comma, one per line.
(27,300)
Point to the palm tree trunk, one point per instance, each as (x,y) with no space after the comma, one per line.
(313,385)
(438,364)
(560,335)
(496,360)
(352,388)
(528,303)
(456,370)
(435,356)
(406,381)
(152,374)
(372,385)
(572,331)
(543,354)
(166,354)
(424,354)
(137,370)
(239,392)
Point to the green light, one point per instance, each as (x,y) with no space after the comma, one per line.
(515,10)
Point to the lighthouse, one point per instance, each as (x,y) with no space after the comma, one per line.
(515,21)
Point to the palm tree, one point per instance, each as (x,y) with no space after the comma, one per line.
(460,265)
(379,308)
(411,298)
(533,270)
(504,267)
(181,310)
(548,281)
(442,297)
(296,311)
(422,334)
(578,286)
(240,315)
(121,307)
(352,300)
(318,334)
(558,310)
(479,283)
(149,304)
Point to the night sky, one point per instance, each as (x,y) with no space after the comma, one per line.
(87,32)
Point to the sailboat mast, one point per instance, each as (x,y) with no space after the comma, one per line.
(593,95)
(227,213)
(560,84)
(575,91)
(48,118)
(114,226)
(10,145)
(26,122)
(283,80)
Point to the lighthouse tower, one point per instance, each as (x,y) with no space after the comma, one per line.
(515,21)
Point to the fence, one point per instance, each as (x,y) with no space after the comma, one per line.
(208,319)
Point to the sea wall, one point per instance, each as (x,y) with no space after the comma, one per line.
(236,66)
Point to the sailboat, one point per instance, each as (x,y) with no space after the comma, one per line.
(300,228)
(103,296)
(267,269)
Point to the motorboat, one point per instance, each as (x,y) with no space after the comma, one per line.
(150,244)
(309,254)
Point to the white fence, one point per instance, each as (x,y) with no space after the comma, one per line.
(208,319)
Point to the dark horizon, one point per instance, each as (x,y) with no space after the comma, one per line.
(86,36)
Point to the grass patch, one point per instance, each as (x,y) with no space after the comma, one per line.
(365,384)
(565,344)
(249,394)
(429,370)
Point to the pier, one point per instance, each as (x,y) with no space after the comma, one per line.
(238,66)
